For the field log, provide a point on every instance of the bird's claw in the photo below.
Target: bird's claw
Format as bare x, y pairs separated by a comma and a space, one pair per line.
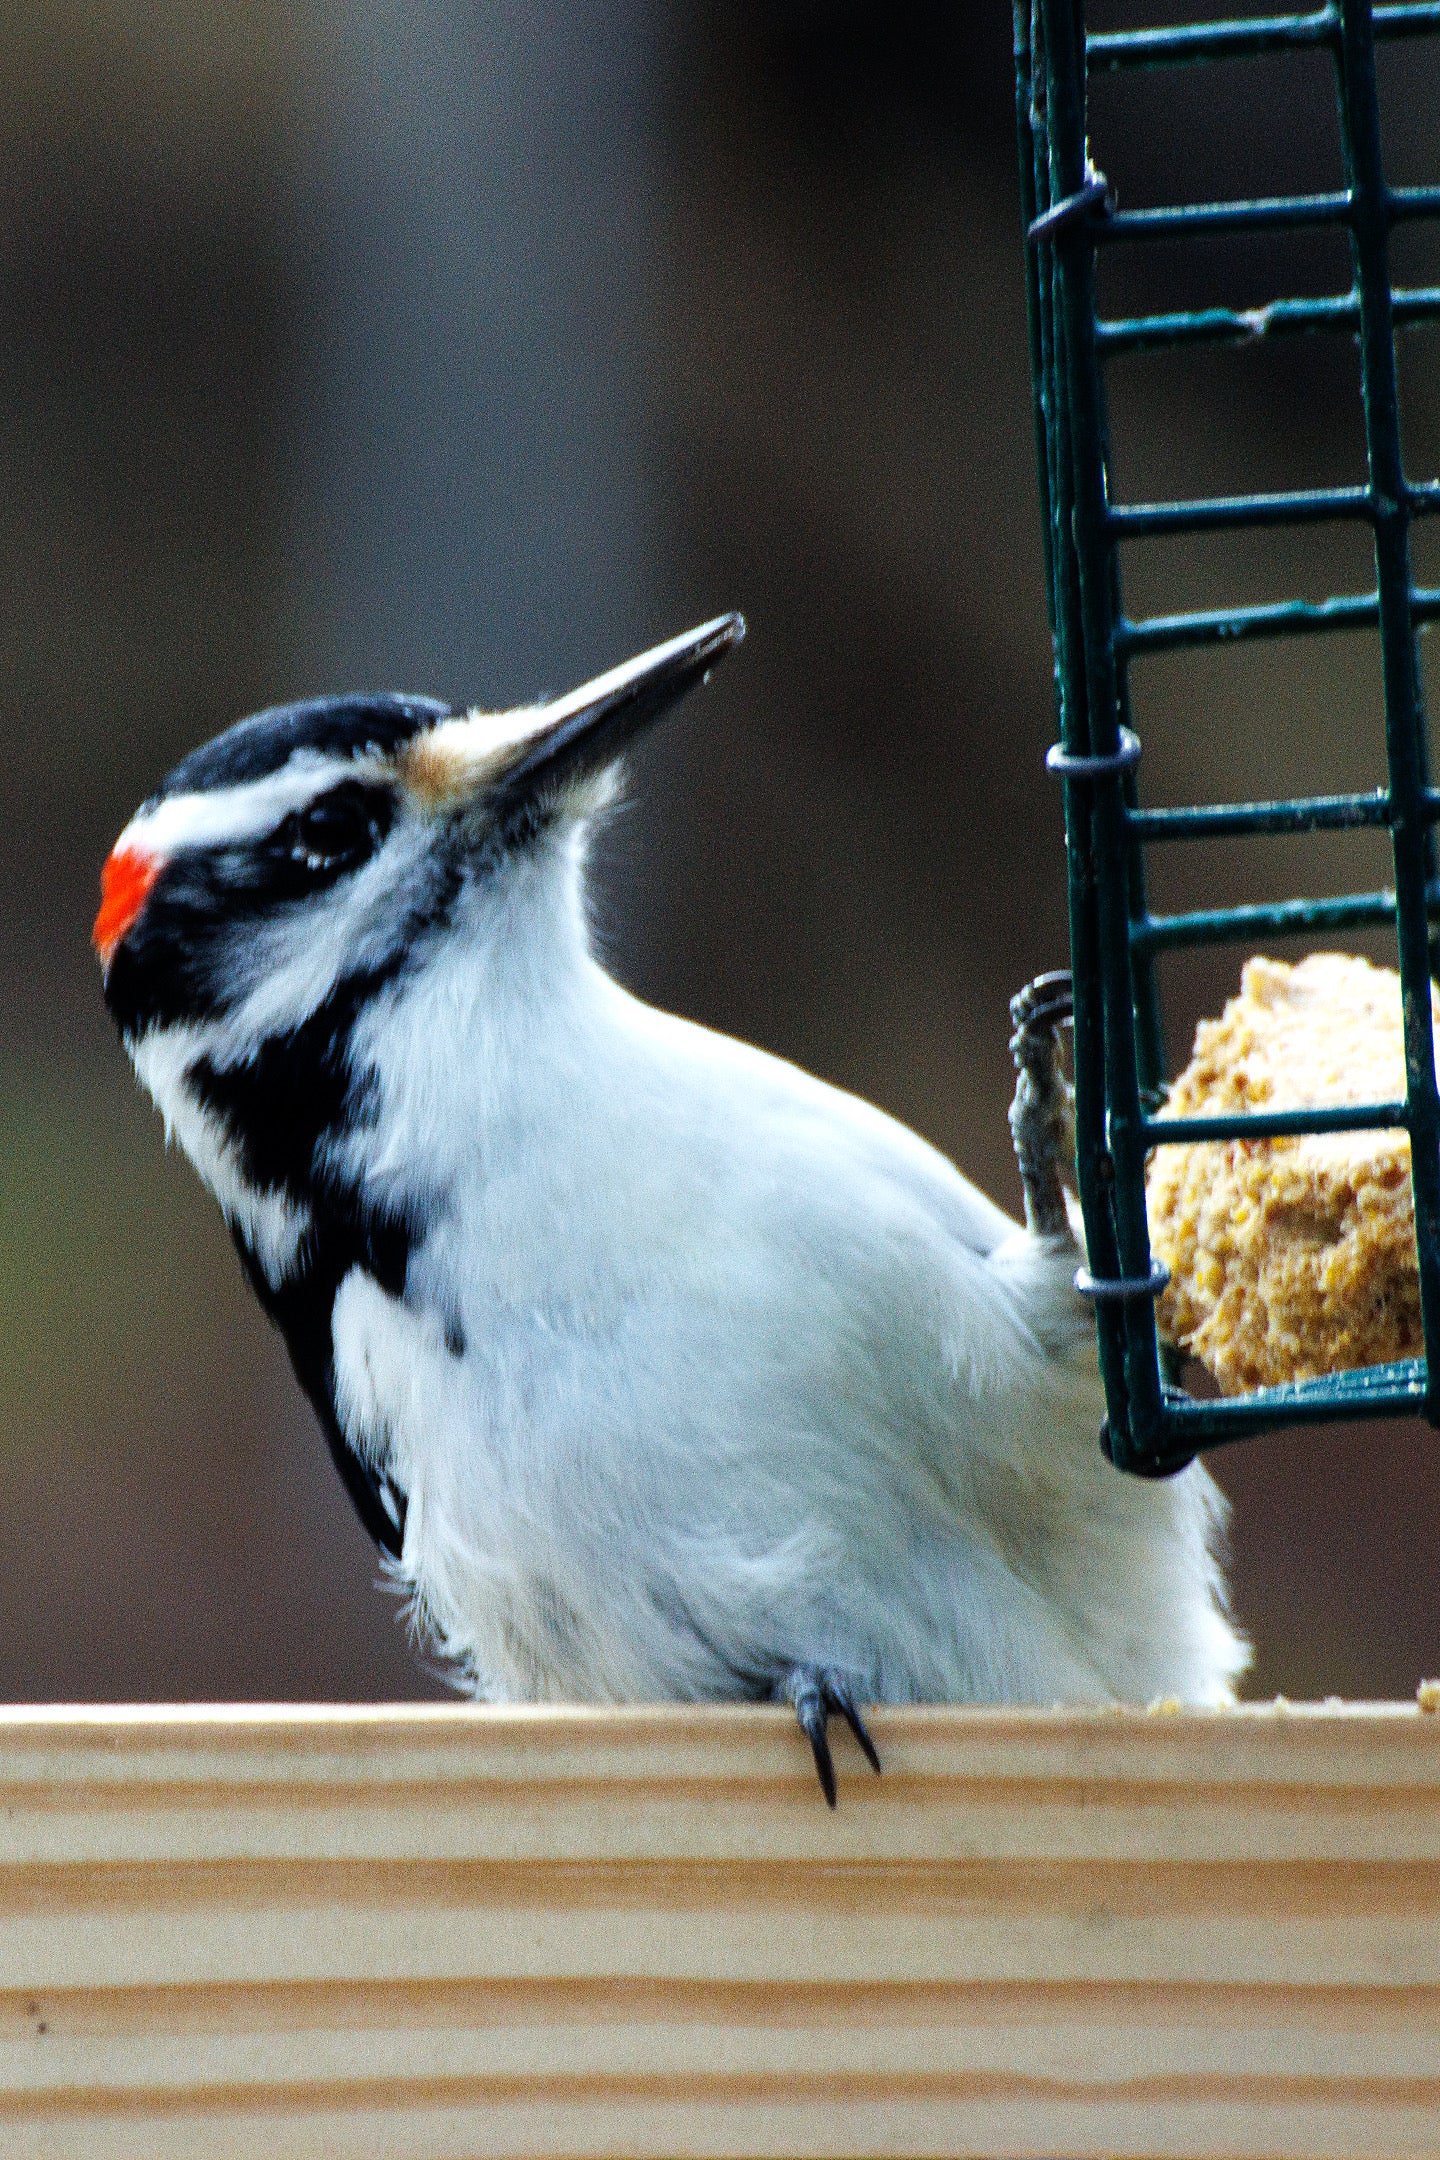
816, 1694
1042, 1114
1037, 1010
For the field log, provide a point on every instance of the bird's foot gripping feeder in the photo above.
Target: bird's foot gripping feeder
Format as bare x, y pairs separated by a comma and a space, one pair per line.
1071, 214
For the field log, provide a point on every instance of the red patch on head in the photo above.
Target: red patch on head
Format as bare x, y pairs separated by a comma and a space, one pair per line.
125, 884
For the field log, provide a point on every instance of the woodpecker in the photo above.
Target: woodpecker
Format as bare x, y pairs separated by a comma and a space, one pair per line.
656, 1368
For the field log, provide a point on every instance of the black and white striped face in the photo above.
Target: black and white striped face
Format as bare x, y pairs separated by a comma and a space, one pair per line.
266, 866
315, 844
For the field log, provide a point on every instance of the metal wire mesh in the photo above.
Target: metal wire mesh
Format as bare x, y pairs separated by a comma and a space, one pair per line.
1152, 1426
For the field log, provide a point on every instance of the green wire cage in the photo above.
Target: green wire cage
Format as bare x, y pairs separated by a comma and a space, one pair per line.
1153, 1427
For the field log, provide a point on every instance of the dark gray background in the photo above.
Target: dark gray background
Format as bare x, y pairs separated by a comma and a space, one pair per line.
468, 350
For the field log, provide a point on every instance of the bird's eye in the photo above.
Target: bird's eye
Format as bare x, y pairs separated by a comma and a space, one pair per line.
336, 833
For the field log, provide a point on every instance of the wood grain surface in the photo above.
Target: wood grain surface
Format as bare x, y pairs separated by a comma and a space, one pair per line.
455, 1931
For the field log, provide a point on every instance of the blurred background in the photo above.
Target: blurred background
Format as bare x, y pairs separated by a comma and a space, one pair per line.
466, 349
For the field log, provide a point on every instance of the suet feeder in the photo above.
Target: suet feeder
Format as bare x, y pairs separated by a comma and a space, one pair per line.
1153, 1426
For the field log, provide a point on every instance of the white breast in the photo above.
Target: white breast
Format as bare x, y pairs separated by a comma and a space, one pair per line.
749, 1376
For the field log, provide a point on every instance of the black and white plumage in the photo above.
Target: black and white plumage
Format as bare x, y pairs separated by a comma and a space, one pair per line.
660, 1369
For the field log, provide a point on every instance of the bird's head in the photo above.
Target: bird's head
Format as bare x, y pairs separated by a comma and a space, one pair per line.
320, 843
291, 871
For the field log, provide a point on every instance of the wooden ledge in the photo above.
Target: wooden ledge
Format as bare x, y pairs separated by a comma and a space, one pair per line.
499, 1931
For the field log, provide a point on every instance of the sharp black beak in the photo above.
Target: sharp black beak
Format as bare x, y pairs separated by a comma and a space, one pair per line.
583, 733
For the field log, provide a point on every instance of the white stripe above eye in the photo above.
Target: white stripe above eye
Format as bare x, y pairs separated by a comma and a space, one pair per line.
215, 817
